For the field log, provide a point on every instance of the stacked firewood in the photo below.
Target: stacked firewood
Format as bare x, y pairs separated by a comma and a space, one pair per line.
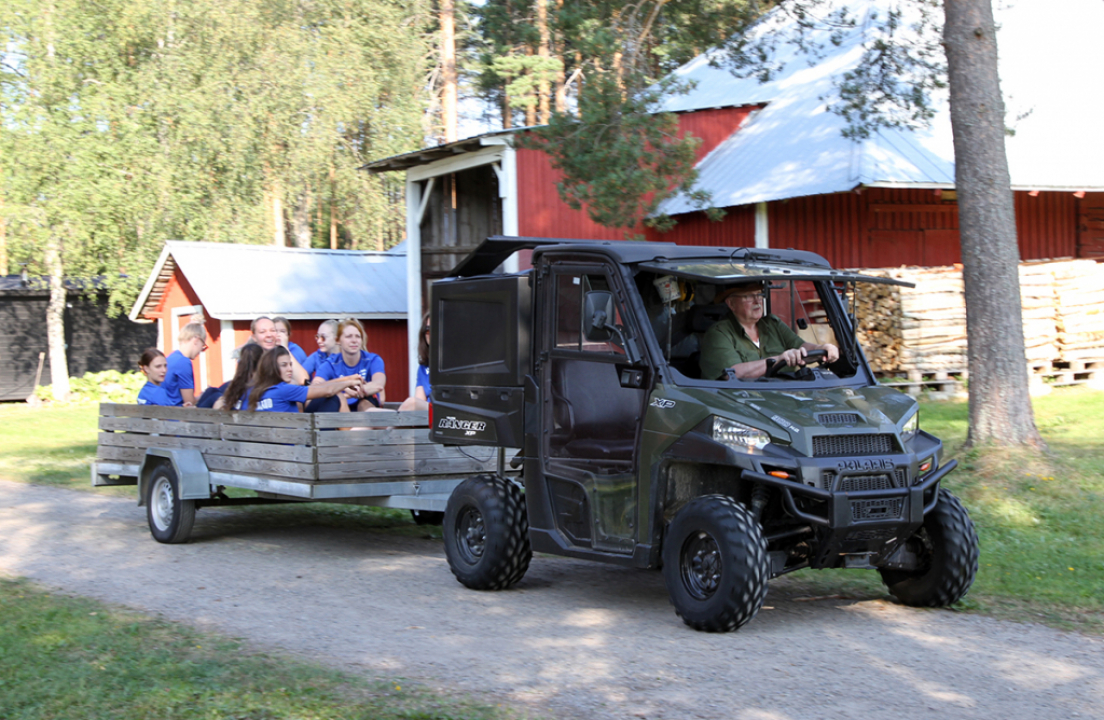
923, 329
1079, 299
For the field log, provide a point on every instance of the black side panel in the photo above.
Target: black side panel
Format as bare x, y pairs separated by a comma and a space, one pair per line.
469, 415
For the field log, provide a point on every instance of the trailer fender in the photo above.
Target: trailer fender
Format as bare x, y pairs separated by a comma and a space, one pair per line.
191, 472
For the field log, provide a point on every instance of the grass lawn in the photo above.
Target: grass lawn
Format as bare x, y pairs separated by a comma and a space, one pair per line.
1040, 520
63, 657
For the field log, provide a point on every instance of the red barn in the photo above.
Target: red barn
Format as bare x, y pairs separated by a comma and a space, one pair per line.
773, 157
226, 286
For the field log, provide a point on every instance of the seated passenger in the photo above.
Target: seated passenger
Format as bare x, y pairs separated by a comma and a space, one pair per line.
423, 391
326, 337
746, 339
153, 366
234, 390
283, 337
272, 390
179, 381
352, 360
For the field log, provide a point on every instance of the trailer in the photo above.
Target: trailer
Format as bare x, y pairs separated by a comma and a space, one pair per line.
184, 459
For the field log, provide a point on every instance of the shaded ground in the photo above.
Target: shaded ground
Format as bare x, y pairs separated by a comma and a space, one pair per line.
574, 639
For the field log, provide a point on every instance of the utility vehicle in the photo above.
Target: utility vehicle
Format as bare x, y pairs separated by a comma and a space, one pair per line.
589, 363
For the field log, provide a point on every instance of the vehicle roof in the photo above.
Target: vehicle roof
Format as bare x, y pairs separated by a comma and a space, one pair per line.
495, 249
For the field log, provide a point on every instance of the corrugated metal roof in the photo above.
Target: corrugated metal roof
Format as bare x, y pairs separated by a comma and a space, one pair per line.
241, 282
794, 147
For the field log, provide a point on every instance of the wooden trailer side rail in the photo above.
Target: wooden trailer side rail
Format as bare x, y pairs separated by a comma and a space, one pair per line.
376, 447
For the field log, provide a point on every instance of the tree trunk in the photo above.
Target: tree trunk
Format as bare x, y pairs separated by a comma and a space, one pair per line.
301, 226
3, 240
55, 321
1000, 406
543, 51
279, 229
560, 86
448, 69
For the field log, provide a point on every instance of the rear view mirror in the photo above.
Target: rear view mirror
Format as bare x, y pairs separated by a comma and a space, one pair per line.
598, 316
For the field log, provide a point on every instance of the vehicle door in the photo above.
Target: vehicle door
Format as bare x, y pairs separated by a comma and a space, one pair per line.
593, 408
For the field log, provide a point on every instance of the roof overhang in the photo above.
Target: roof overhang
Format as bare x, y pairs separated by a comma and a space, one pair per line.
159, 277
427, 156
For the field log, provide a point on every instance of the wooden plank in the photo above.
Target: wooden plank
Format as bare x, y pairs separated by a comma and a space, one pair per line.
261, 451
120, 454
285, 470
296, 421
376, 436
398, 452
389, 468
268, 435
163, 427
378, 418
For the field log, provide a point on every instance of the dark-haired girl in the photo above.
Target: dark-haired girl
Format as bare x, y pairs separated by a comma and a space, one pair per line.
272, 390
154, 366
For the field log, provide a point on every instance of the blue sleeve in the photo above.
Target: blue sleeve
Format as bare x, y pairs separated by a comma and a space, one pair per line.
297, 353
326, 370
375, 365
180, 375
290, 393
311, 363
151, 394
423, 381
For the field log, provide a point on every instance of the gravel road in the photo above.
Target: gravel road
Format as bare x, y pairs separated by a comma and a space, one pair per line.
573, 640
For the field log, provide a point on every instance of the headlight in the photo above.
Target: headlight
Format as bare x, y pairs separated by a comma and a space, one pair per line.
739, 436
912, 426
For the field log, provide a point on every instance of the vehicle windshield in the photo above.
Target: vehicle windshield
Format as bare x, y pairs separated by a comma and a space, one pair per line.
705, 325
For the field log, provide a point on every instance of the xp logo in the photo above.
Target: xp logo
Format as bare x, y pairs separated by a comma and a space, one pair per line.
663, 403
469, 427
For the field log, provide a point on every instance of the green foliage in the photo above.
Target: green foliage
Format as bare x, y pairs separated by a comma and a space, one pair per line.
67, 657
619, 157
107, 386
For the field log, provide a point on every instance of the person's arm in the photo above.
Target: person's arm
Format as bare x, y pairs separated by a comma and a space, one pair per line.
375, 385
188, 396
299, 376
328, 388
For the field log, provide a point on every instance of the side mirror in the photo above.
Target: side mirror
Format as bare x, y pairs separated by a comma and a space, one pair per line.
598, 314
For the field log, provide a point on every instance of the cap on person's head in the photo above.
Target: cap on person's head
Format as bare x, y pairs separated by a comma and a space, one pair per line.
742, 288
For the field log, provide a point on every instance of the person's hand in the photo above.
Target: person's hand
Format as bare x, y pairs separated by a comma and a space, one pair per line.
833, 352
793, 357
188, 405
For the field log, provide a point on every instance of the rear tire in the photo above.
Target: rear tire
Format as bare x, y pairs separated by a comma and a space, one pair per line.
170, 518
715, 564
947, 545
486, 533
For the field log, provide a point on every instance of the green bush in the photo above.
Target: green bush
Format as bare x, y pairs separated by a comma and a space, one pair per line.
106, 386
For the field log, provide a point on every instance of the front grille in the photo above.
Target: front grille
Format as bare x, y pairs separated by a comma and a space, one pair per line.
856, 483
844, 445
902, 477
889, 509
839, 419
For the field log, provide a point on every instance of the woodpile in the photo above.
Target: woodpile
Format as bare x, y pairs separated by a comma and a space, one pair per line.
1079, 299
923, 329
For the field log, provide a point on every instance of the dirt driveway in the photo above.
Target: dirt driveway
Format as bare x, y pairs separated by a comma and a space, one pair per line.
574, 639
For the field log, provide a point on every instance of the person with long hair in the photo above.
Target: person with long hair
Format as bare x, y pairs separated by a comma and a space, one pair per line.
423, 391
153, 365
353, 359
273, 391
248, 360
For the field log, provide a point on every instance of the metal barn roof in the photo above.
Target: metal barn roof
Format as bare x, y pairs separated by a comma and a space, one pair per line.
241, 282
793, 147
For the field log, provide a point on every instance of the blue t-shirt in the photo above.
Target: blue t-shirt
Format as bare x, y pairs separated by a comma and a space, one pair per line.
297, 353
278, 398
178, 377
335, 367
314, 360
151, 394
423, 382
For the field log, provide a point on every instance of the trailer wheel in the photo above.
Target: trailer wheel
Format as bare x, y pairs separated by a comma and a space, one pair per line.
170, 518
427, 517
486, 533
947, 546
715, 564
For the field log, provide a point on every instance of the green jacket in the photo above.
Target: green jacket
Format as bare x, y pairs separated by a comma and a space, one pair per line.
726, 344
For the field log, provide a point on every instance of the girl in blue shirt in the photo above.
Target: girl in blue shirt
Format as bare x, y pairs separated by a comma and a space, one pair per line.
154, 366
235, 390
423, 391
354, 360
273, 391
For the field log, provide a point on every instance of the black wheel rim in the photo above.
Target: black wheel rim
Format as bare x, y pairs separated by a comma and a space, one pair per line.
700, 565
471, 535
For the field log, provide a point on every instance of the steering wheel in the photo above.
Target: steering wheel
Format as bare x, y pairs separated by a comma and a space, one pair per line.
773, 369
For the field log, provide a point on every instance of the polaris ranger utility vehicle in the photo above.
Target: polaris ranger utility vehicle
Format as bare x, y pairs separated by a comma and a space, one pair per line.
589, 363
